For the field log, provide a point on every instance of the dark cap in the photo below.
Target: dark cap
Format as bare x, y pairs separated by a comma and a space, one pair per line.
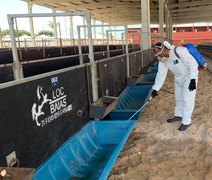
158, 48
158, 45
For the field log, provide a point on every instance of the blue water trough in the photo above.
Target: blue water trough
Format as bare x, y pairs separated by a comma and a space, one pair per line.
89, 154
154, 64
153, 69
147, 77
130, 101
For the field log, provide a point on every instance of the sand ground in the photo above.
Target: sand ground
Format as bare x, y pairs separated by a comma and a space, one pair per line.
156, 150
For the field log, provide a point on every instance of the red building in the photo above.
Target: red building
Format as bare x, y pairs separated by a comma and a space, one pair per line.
181, 34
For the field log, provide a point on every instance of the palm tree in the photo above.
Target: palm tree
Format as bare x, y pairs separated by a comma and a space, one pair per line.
51, 24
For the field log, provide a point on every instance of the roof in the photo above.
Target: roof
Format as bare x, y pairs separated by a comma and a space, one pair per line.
126, 12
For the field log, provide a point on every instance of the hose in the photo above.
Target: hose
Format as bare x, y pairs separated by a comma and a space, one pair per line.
141, 108
167, 91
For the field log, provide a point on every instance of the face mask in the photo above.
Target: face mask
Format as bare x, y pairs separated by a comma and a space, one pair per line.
162, 59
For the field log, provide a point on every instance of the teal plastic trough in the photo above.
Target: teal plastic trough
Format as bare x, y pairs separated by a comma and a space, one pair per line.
130, 101
154, 69
154, 64
147, 77
89, 154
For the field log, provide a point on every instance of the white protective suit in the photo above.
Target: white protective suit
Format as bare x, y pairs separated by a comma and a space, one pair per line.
184, 69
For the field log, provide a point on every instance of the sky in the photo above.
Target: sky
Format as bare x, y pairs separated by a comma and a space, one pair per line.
20, 7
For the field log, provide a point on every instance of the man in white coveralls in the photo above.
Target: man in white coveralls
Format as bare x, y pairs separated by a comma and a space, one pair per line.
185, 70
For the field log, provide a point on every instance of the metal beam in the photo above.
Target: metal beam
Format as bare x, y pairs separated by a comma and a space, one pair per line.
195, 17
189, 4
192, 20
120, 10
47, 14
192, 14
190, 9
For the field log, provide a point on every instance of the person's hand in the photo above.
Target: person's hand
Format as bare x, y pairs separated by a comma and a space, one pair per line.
192, 85
154, 93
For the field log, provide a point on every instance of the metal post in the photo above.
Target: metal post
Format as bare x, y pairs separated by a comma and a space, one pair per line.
55, 26
108, 46
31, 24
1, 44
19, 44
91, 57
71, 30
127, 52
166, 21
122, 41
25, 44
85, 27
161, 18
133, 42
145, 13
43, 47
17, 67
115, 36
79, 45
170, 29
103, 34
141, 48
94, 24
61, 48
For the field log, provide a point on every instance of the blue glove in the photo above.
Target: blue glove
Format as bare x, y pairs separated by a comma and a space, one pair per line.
192, 85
